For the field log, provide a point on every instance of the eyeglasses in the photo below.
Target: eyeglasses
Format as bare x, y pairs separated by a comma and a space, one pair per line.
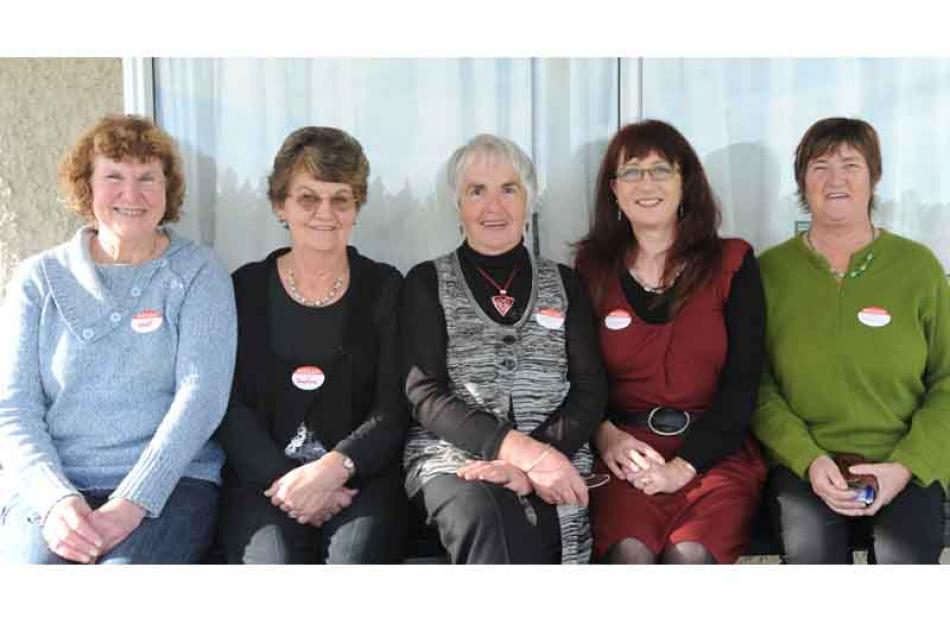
310, 201
660, 172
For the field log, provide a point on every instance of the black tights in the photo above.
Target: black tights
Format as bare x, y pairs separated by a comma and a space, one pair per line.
632, 551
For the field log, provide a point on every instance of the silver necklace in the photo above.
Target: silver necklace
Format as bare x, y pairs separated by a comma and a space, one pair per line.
651, 289
296, 295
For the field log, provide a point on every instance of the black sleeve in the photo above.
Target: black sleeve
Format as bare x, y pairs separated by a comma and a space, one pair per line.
250, 450
375, 444
426, 371
721, 431
574, 421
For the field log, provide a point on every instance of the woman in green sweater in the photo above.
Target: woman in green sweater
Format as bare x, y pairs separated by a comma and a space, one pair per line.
858, 367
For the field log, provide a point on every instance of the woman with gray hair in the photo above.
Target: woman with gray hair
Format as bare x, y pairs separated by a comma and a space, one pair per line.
504, 376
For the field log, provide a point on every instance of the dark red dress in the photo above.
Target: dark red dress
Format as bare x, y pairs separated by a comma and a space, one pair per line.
678, 364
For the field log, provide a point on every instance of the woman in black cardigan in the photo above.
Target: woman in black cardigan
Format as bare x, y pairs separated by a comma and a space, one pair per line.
316, 419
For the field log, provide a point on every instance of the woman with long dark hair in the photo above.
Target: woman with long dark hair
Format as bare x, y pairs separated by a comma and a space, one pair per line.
681, 323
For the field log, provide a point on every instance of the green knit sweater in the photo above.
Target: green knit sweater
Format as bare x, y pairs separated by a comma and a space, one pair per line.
861, 367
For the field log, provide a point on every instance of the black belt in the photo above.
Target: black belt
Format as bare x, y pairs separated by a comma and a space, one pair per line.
663, 421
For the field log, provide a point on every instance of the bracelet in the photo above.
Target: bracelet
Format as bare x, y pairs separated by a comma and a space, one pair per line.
537, 460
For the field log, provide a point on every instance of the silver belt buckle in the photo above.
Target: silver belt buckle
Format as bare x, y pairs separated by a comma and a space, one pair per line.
667, 433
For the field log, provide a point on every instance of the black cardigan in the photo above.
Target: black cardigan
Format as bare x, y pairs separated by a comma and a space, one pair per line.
359, 410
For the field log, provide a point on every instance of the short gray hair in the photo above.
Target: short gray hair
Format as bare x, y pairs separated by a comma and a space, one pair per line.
489, 144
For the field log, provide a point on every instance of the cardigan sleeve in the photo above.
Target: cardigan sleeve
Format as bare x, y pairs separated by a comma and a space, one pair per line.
721, 431
250, 450
374, 445
26, 448
572, 423
923, 450
203, 371
433, 405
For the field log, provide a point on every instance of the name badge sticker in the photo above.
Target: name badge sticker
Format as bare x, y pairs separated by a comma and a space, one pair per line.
550, 318
308, 378
147, 321
617, 319
874, 316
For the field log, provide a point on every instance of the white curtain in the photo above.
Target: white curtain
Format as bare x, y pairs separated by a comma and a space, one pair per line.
230, 116
745, 117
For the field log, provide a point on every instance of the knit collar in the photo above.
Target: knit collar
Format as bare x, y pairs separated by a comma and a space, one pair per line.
83, 300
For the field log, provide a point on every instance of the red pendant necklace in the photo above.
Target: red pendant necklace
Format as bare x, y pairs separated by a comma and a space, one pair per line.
502, 302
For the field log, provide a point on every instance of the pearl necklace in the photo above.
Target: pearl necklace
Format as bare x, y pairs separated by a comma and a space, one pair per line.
296, 295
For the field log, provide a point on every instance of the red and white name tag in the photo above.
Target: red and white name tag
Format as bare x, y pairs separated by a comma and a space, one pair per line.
874, 316
550, 318
617, 319
308, 378
147, 321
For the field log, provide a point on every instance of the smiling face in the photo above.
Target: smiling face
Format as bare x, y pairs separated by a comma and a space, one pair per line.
319, 214
492, 205
128, 197
648, 202
838, 187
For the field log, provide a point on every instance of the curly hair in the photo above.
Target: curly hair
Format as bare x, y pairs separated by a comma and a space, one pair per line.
118, 137
326, 153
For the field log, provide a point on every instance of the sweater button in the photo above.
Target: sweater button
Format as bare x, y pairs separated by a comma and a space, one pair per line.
135, 292
509, 340
115, 317
509, 364
88, 333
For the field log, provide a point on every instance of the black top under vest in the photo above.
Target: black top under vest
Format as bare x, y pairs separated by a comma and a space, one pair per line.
424, 340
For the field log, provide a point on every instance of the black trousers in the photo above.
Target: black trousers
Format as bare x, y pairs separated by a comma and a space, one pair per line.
908, 530
482, 522
371, 530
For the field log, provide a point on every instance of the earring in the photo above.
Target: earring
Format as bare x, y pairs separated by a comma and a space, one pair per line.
680, 211
619, 214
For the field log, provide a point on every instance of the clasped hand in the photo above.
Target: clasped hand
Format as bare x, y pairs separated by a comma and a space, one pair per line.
75, 532
498, 472
640, 464
550, 474
828, 484
314, 492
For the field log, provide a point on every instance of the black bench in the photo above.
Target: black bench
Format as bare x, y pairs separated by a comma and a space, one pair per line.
423, 546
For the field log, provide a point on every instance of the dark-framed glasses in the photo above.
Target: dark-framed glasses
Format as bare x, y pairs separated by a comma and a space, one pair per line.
634, 174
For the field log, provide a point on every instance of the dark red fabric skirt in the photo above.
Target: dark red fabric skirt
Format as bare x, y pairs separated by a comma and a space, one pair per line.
716, 508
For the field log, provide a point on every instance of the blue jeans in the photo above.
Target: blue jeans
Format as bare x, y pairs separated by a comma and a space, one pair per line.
180, 534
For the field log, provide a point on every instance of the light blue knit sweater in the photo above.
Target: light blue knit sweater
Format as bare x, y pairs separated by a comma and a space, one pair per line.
114, 389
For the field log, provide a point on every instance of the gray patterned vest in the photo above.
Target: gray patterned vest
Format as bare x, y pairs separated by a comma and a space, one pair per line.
494, 368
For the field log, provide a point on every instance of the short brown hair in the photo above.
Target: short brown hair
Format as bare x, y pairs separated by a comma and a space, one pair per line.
826, 136
327, 153
118, 137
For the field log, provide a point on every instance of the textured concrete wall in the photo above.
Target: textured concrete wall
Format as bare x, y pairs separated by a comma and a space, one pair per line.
44, 104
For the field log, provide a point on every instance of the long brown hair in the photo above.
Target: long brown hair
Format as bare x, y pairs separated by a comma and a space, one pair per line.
610, 243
